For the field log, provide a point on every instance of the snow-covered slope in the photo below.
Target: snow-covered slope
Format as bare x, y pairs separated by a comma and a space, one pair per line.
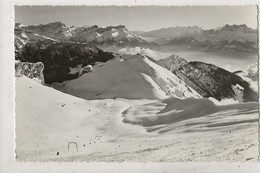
132, 77
177, 110
48, 120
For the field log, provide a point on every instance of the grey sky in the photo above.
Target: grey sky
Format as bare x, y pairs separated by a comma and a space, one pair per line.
139, 18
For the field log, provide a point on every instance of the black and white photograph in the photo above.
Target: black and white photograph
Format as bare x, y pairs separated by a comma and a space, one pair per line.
136, 83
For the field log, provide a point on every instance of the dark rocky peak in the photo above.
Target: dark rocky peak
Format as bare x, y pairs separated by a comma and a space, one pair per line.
212, 81
87, 29
204, 66
58, 24
113, 27
120, 26
93, 27
54, 25
17, 25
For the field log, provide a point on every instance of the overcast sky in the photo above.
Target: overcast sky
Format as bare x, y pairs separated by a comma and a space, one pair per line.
139, 18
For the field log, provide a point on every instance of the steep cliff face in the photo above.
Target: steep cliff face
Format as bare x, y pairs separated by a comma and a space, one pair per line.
212, 81
62, 61
31, 70
209, 80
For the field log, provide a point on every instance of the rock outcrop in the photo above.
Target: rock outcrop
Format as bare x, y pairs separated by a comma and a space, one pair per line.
31, 70
59, 58
212, 81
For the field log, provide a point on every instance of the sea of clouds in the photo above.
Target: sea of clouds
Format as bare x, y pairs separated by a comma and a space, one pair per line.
146, 51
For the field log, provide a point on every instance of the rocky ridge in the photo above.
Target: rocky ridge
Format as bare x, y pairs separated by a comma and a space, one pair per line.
118, 36
209, 80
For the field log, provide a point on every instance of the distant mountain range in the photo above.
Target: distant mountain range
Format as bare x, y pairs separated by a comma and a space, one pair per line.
229, 38
170, 32
118, 36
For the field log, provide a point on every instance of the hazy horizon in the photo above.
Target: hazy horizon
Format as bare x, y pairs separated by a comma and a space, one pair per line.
139, 18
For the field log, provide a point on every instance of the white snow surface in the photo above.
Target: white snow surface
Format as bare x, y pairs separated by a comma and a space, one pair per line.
130, 130
114, 33
49, 38
24, 35
134, 78
229, 101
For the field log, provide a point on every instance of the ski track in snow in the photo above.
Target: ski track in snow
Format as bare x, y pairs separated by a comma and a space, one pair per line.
121, 129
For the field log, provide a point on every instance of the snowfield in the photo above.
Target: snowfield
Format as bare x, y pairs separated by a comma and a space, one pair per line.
123, 129
129, 77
